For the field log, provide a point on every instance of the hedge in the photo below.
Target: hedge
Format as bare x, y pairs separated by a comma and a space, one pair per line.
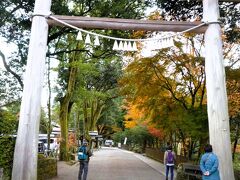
47, 167
6, 155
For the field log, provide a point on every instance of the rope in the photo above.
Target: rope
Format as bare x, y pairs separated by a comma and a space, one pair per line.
41, 15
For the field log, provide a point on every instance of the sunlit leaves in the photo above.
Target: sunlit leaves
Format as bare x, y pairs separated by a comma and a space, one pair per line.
134, 116
233, 89
167, 92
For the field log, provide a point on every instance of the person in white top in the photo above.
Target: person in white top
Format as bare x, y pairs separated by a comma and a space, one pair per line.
169, 161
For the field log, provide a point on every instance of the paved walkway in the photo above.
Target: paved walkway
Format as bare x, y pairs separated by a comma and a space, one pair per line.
70, 172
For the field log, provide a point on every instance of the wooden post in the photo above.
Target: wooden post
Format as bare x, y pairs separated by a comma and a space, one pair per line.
26, 148
217, 106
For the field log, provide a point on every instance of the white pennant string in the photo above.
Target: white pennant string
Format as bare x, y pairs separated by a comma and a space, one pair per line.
171, 42
168, 42
159, 44
115, 45
88, 40
134, 46
125, 46
79, 36
129, 46
96, 41
120, 47
164, 43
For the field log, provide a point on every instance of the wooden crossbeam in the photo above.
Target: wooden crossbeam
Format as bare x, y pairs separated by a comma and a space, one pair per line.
126, 24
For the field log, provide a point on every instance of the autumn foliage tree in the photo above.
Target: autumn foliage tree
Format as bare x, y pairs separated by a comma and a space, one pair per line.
172, 84
233, 89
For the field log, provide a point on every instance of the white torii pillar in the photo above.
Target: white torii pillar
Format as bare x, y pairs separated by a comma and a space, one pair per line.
217, 105
26, 148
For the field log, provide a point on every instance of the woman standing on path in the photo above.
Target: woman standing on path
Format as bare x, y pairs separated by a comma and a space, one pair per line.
209, 164
169, 160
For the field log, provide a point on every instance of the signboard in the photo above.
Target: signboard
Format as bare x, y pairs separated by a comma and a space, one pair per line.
125, 141
93, 133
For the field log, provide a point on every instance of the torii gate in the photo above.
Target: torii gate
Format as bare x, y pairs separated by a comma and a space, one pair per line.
25, 155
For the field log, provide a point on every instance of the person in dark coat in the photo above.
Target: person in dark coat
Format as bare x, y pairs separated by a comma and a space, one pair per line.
209, 164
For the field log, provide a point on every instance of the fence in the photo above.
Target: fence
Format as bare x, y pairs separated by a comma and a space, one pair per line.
158, 155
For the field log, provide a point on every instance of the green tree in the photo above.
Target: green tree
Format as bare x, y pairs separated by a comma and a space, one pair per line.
186, 10
233, 90
69, 74
43, 128
112, 119
137, 138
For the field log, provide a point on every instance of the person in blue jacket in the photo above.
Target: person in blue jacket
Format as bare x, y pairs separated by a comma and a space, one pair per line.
83, 170
209, 164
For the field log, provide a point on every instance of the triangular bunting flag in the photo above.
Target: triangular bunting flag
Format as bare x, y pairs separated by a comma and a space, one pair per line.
125, 46
96, 41
115, 45
88, 40
79, 36
129, 45
120, 47
134, 47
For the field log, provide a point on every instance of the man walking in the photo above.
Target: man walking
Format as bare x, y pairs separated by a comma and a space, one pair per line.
84, 154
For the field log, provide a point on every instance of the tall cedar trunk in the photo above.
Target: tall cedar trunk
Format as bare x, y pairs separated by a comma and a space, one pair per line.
95, 115
78, 127
86, 119
65, 107
64, 130
92, 117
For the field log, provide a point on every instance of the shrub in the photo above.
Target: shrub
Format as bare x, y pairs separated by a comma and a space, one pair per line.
8, 126
6, 155
47, 167
236, 165
137, 149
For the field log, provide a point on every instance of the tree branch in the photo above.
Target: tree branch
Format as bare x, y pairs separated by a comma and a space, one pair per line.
10, 71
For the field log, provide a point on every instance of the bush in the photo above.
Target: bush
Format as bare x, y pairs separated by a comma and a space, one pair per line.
47, 167
137, 149
136, 138
6, 155
236, 165
237, 174
8, 126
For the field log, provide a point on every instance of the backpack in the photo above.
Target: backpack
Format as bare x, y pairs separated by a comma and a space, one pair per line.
82, 153
170, 157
